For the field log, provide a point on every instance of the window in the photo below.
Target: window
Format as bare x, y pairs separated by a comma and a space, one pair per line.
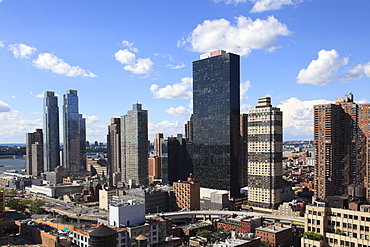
318, 222
345, 216
355, 217
362, 228
355, 226
350, 216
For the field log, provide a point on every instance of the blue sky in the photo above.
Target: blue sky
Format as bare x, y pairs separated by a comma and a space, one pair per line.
119, 52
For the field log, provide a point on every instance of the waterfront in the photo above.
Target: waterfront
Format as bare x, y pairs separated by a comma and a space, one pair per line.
12, 164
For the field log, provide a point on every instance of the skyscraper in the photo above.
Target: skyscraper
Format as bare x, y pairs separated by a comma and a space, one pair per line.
134, 134
34, 153
51, 132
341, 139
216, 124
114, 145
158, 140
265, 134
176, 160
73, 123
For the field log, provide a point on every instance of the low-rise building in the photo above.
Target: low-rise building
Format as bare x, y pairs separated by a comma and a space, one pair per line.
276, 234
239, 224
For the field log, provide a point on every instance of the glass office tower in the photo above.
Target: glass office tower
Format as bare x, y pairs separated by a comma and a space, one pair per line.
216, 123
71, 131
51, 132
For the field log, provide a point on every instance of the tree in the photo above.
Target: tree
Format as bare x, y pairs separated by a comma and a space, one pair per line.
204, 233
16, 204
36, 207
313, 236
64, 218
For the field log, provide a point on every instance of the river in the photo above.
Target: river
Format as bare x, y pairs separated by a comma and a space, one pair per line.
12, 164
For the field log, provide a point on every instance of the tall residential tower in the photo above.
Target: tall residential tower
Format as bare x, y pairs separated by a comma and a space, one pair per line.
74, 130
265, 136
216, 124
51, 132
134, 145
341, 139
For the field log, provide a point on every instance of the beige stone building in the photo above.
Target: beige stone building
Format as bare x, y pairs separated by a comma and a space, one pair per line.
339, 227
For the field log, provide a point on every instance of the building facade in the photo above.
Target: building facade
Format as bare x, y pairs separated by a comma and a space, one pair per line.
158, 140
216, 124
34, 153
187, 194
114, 145
337, 226
134, 145
51, 132
342, 150
176, 160
74, 129
265, 134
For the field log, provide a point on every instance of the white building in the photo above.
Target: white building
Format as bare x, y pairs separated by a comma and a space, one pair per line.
126, 213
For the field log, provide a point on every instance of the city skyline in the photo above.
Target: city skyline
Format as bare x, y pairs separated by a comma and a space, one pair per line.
299, 53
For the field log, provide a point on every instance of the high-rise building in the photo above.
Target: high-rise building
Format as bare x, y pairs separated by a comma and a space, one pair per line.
34, 153
134, 145
265, 134
243, 176
216, 124
189, 129
51, 132
114, 145
73, 129
176, 160
341, 139
158, 140
83, 160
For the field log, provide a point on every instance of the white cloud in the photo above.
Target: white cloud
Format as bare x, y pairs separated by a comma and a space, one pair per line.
48, 61
1, 43
178, 111
175, 91
177, 66
94, 130
166, 127
322, 71
357, 72
244, 87
13, 97
21, 50
242, 38
244, 108
130, 46
191, 104
263, 5
4, 107
136, 66
266, 5
13, 126
298, 117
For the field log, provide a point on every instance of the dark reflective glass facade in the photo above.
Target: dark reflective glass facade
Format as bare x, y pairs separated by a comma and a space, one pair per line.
216, 123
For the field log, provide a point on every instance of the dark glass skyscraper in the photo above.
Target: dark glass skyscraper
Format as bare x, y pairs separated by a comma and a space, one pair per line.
176, 159
216, 124
51, 132
73, 129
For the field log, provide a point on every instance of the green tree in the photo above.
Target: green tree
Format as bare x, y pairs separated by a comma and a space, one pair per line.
64, 218
313, 236
16, 204
204, 233
36, 207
